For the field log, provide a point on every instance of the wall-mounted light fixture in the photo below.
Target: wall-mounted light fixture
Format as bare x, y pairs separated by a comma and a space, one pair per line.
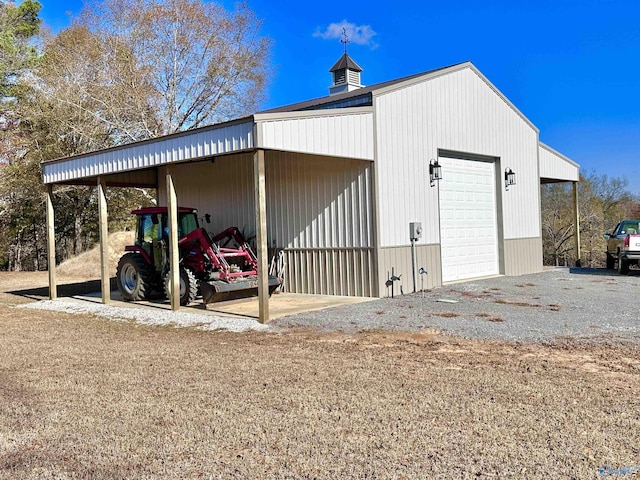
509, 178
435, 171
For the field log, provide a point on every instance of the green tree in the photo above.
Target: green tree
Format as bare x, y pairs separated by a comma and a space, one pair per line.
20, 209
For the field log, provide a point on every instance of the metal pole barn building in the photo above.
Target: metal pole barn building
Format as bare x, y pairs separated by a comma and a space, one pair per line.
336, 182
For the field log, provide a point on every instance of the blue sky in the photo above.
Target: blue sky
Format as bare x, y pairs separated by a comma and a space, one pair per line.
571, 66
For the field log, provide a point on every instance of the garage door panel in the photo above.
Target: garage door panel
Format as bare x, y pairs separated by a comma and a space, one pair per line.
468, 229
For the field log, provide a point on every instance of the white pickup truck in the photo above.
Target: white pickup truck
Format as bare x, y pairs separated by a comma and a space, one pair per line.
623, 245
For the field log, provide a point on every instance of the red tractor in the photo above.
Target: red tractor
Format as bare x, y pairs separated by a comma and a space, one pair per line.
219, 267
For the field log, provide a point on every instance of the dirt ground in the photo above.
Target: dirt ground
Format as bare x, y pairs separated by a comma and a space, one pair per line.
83, 397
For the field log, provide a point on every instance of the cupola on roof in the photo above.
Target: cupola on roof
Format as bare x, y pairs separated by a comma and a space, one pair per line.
346, 72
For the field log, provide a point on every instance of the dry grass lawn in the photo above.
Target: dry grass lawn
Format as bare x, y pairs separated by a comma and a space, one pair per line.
82, 397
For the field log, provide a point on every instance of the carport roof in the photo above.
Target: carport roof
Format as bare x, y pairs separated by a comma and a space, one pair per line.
144, 156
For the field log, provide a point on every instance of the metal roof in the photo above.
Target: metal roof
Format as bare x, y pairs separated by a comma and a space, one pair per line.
364, 94
346, 62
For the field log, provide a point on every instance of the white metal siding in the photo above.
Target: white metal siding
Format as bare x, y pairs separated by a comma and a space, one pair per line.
339, 133
459, 112
469, 237
554, 166
162, 151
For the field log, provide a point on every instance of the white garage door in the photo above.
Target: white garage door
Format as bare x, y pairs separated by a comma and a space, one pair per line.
468, 232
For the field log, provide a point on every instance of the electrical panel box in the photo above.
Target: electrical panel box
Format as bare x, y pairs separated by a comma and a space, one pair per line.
415, 230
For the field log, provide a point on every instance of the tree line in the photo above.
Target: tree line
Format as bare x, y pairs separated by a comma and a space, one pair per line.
602, 202
123, 71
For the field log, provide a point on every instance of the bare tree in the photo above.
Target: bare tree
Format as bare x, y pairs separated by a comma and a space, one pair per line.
141, 69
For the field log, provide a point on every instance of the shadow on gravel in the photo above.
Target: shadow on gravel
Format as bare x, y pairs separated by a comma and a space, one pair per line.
602, 271
65, 290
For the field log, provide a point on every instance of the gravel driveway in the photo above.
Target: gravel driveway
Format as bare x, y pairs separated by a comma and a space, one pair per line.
576, 302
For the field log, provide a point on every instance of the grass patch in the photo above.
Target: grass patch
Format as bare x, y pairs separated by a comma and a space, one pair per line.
446, 314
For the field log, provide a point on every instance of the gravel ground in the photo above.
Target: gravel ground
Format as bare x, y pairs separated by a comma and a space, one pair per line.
582, 303
151, 317
578, 303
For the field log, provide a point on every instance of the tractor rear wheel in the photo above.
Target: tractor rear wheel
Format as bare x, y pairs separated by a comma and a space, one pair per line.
134, 277
188, 286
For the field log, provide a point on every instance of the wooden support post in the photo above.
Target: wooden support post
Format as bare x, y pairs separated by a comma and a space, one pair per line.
261, 236
174, 255
51, 245
105, 283
576, 223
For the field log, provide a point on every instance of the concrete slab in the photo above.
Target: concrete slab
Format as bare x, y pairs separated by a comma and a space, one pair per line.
280, 304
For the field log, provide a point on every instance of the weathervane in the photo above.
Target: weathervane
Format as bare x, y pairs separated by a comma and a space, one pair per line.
345, 40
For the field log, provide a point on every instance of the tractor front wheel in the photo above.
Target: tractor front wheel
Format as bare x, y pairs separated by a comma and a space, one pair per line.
134, 277
188, 286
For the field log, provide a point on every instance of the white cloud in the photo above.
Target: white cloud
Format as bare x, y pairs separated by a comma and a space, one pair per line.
358, 34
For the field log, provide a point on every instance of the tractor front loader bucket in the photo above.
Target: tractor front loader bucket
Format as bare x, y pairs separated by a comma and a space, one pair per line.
220, 290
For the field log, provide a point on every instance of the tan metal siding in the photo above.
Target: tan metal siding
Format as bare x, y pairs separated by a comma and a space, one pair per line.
162, 151
336, 134
554, 166
330, 271
138, 178
223, 188
320, 212
316, 202
523, 255
398, 259
318, 209
455, 112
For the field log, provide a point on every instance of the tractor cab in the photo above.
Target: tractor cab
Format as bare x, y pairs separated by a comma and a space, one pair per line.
152, 229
